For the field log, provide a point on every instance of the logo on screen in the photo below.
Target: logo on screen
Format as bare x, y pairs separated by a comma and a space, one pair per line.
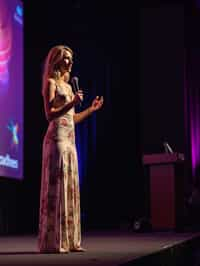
14, 128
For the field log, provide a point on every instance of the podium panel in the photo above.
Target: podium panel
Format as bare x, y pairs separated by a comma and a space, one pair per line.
166, 173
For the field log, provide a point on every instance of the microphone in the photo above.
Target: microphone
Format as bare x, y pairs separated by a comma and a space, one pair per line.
168, 149
75, 85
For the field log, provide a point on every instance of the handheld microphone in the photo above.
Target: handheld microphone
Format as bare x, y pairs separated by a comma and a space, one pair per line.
75, 85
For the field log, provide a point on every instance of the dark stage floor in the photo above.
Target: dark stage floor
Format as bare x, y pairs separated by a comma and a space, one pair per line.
103, 248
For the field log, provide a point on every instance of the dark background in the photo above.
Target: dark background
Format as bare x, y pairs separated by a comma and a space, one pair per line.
134, 56
161, 77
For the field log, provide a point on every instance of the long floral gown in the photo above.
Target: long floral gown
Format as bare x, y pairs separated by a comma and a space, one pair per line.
59, 219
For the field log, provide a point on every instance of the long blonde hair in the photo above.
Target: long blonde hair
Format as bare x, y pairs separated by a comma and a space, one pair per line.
51, 69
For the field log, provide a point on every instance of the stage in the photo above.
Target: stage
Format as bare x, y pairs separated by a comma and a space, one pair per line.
108, 248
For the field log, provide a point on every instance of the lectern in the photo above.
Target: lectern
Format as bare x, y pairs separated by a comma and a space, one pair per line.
166, 173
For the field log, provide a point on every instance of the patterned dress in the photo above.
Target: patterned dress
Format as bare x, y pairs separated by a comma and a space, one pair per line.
59, 220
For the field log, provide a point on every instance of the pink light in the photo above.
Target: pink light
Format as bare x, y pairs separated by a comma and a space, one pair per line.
5, 41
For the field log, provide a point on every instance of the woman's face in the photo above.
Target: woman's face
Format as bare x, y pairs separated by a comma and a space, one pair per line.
67, 62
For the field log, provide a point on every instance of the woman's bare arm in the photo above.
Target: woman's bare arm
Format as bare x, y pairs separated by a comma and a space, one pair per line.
96, 105
78, 117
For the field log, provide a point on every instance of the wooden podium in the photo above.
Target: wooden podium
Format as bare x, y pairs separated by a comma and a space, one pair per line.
166, 173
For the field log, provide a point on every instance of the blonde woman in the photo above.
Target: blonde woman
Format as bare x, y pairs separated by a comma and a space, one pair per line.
59, 220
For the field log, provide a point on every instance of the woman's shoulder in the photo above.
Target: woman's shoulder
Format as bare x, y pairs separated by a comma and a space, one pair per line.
51, 81
49, 85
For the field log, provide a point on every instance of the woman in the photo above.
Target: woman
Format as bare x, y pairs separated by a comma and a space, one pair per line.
59, 222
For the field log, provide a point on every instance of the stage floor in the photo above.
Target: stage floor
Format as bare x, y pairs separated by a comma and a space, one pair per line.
103, 248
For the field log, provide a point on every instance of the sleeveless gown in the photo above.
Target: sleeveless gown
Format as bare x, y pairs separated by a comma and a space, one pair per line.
59, 219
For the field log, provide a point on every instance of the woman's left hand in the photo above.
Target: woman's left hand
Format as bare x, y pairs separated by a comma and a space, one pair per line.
96, 104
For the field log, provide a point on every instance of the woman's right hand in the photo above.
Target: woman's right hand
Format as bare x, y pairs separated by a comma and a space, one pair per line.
78, 97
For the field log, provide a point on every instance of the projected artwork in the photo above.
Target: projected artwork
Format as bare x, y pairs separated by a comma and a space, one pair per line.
11, 89
5, 41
